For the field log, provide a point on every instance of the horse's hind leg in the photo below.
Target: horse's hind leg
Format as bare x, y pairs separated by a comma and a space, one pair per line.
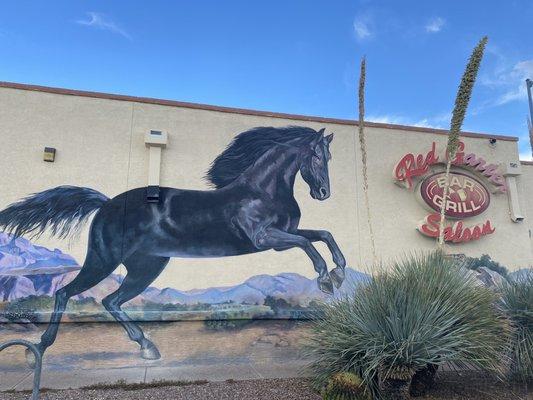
94, 270
142, 270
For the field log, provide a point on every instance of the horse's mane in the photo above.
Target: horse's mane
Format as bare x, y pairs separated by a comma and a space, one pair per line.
248, 146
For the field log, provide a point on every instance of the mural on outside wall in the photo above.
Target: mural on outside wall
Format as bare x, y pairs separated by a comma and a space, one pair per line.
251, 209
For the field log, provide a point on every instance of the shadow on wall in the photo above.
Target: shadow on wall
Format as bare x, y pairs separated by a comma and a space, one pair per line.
31, 274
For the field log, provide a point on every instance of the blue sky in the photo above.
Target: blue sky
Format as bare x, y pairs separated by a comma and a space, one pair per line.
297, 56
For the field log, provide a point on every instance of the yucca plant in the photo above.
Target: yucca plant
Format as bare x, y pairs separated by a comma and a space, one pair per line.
517, 302
419, 314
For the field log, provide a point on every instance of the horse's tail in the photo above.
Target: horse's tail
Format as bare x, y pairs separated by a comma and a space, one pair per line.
59, 209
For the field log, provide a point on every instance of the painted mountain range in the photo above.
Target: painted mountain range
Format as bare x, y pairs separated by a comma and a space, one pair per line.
27, 269
18, 256
292, 287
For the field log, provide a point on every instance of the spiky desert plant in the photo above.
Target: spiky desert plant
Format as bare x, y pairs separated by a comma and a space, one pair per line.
345, 386
458, 115
364, 157
517, 301
422, 311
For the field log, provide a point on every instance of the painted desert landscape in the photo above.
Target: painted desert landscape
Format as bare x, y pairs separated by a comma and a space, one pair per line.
30, 275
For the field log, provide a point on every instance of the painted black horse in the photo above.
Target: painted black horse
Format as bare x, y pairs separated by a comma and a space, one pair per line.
252, 209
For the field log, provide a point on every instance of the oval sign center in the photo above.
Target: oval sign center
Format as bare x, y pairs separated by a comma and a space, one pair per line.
467, 196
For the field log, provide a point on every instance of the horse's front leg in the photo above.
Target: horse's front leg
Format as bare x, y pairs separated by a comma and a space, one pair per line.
337, 274
272, 238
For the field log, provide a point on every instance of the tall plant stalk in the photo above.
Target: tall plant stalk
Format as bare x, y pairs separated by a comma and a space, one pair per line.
461, 104
362, 143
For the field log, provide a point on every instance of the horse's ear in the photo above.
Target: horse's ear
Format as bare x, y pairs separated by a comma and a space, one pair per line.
318, 138
329, 138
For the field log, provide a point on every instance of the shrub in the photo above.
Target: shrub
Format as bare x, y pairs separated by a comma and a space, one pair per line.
27, 308
31, 304
17, 316
485, 261
421, 313
517, 301
222, 321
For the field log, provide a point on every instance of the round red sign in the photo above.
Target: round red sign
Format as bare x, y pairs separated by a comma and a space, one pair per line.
467, 196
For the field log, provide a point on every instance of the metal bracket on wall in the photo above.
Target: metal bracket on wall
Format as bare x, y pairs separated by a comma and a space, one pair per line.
513, 170
152, 194
38, 362
155, 141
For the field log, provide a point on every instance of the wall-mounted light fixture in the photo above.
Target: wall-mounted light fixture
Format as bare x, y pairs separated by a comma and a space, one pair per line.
49, 154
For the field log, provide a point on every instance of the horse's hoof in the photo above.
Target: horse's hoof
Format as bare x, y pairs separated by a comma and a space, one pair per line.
337, 275
150, 352
30, 358
325, 285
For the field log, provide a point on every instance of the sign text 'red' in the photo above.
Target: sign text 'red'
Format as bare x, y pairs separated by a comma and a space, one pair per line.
411, 166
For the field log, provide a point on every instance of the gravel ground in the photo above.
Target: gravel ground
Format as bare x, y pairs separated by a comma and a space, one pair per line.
448, 387
272, 389
475, 386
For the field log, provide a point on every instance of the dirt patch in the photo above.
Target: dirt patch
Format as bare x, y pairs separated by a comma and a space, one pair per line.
449, 386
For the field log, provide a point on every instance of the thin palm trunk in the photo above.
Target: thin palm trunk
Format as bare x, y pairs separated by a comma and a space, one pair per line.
362, 143
461, 105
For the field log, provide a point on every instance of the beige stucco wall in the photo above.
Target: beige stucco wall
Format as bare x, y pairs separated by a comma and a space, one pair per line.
100, 145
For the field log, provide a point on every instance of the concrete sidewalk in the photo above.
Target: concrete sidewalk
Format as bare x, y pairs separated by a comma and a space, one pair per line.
91, 353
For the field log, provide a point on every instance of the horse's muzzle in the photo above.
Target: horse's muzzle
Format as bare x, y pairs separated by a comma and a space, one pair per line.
321, 194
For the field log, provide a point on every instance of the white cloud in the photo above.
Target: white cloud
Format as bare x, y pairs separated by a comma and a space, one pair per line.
362, 27
526, 156
507, 80
435, 25
516, 79
524, 141
439, 121
526, 144
101, 21
385, 119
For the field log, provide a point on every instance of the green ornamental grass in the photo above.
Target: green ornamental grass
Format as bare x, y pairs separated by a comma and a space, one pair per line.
422, 312
517, 301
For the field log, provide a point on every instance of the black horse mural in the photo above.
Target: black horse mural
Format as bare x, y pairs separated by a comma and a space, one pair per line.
251, 209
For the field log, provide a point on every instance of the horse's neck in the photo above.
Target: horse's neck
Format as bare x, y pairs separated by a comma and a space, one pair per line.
275, 171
